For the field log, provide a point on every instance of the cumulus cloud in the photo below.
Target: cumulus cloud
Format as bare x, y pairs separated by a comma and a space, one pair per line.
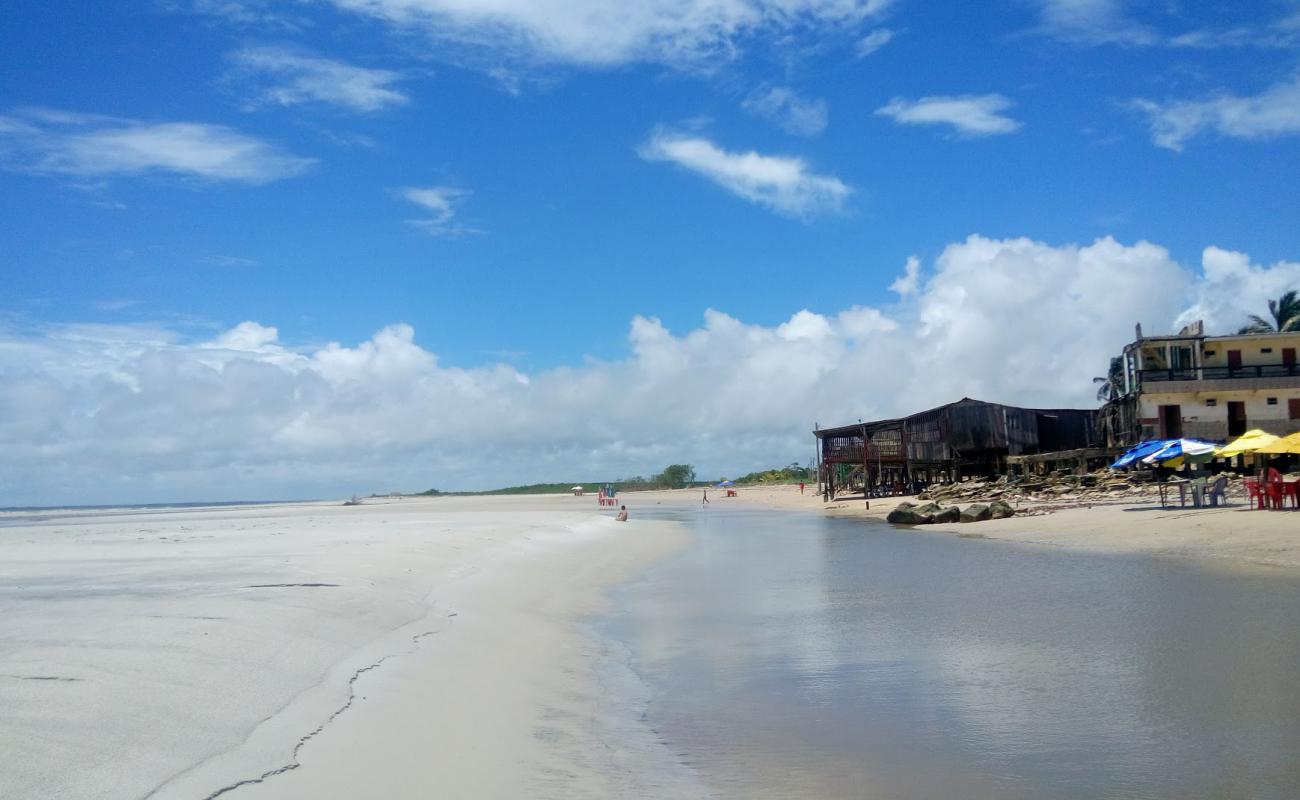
874, 41
290, 77
1234, 287
969, 114
783, 184
97, 413
440, 202
1272, 113
598, 32
48, 141
782, 105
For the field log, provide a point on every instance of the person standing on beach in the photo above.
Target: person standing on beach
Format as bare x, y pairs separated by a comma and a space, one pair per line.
800, 487
622, 514
705, 501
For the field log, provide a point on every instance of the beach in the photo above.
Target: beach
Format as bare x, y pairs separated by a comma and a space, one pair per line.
400, 648
406, 647
1230, 534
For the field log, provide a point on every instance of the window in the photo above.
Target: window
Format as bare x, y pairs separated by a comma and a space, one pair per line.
1272, 401
1265, 349
1211, 402
1209, 353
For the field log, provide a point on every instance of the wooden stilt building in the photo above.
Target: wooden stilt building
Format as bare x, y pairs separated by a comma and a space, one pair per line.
968, 437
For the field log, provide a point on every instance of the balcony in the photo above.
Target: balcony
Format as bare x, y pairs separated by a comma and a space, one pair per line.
1212, 379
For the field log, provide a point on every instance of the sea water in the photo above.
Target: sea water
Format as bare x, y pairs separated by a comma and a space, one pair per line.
792, 655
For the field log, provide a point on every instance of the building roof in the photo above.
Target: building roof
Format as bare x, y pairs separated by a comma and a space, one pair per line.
898, 421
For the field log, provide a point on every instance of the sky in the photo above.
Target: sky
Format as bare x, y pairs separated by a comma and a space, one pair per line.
256, 250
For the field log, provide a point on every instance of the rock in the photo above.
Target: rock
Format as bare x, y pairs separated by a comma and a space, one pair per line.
976, 513
929, 509
1000, 510
949, 514
908, 516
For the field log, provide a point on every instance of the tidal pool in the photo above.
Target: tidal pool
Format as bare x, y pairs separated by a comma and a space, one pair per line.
792, 655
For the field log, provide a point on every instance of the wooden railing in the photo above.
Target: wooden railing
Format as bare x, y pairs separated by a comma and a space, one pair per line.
1221, 373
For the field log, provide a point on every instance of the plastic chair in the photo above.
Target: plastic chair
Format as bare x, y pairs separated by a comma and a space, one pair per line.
1218, 491
1292, 490
1255, 493
1273, 491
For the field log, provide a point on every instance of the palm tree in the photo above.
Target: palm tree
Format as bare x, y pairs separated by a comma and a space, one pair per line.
1285, 312
1112, 386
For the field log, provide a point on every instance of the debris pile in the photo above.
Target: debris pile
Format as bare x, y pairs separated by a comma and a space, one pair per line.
1061, 486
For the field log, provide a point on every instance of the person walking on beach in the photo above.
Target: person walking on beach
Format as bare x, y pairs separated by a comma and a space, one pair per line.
800, 487
705, 501
622, 514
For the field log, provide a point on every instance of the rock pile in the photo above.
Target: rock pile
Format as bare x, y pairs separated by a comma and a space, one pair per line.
930, 513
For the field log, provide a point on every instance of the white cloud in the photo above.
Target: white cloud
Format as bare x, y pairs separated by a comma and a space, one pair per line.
970, 114
909, 282
48, 141
1234, 288
440, 202
1093, 22
874, 41
1272, 113
783, 184
95, 413
1102, 22
598, 32
299, 77
782, 105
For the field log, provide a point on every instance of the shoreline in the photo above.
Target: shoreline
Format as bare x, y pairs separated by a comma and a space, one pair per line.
1235, 534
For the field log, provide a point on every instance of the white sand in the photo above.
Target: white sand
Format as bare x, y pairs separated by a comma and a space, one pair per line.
175, 654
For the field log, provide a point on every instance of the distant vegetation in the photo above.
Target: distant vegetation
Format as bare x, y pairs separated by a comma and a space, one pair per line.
791, 474
674, 476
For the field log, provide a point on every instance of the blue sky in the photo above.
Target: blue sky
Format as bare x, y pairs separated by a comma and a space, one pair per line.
519, 185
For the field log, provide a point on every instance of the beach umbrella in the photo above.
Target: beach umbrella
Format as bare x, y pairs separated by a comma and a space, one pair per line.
727, 483
1138, 451
576, 489
1193, 450
1248, 442
1282, 445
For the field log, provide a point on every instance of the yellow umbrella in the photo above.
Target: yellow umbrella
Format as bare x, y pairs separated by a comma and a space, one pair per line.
1248, 442
1286, 444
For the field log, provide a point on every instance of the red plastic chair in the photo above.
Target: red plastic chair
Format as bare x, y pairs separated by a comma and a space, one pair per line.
1255, 494
1274, 492
1291, 489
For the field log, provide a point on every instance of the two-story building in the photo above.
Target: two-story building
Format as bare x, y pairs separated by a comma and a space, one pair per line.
1212, 387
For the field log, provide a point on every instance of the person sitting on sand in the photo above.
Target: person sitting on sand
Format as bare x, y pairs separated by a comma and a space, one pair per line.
622, 514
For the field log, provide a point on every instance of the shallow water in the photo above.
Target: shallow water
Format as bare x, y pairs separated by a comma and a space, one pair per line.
791, 655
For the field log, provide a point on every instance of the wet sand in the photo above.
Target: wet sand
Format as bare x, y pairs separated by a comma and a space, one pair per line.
1235, 533
402, 648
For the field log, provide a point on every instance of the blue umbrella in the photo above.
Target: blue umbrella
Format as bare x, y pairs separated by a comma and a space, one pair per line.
1139, 452
727, 483
1197, 450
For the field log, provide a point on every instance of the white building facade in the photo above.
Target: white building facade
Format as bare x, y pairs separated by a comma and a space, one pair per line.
1212, 387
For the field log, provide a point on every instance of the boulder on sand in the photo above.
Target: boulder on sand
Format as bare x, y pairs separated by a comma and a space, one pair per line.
976, 513
909, 514
949, 514
1000, 510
